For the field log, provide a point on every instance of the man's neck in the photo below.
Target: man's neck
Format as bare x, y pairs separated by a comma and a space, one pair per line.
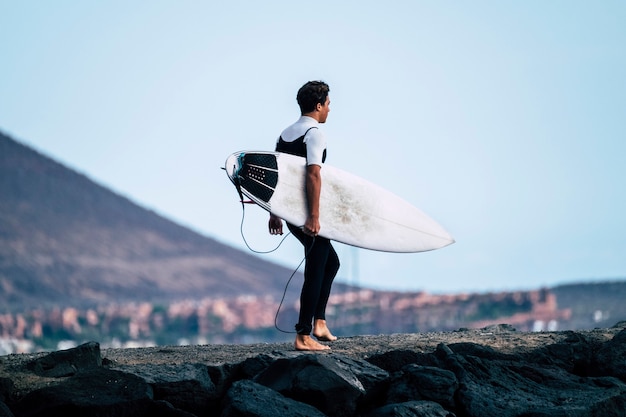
313, 115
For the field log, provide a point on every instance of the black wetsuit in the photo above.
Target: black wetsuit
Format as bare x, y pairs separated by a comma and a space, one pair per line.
322, 262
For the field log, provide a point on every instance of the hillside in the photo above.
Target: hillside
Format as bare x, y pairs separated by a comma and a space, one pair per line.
80, 262
65, 240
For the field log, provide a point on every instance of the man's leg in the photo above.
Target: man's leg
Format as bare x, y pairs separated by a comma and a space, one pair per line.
320, 329
316, 252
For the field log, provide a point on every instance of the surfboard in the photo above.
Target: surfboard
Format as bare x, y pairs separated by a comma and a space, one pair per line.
353, 210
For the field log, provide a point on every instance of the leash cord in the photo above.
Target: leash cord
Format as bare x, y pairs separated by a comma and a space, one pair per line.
287, 285
243, 216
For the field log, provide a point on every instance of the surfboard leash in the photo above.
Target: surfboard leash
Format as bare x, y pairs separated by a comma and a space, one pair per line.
282, 300
243, 217
287, 286
243, 236
237, 183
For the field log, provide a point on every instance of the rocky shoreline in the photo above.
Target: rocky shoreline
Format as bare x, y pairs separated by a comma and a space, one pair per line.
494, 371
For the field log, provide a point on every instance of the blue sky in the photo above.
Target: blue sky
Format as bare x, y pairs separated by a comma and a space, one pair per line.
504, 121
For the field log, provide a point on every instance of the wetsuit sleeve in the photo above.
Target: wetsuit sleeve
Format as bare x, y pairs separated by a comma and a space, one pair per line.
315, 146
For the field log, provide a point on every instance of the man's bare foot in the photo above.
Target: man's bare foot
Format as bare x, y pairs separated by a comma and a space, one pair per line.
321, 332
306, 342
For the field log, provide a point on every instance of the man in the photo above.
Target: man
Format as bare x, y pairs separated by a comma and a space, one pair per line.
304, 138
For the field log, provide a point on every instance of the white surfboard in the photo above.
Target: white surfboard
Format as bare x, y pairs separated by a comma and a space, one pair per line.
352, 210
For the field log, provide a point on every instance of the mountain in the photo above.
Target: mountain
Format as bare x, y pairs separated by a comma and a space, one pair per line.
65, 240
80, 262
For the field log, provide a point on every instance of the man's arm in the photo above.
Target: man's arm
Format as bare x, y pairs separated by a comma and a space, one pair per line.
313, 189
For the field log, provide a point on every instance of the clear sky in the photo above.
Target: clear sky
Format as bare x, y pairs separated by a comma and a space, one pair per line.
504, 121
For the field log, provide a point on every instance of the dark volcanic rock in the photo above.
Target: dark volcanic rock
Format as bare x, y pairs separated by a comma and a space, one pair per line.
417, 382
463, 374
574, 354
514, 387
411, 409
249, 399
5, 411
332, 383
395, 360
68, 362
185, 386
611, 358
95, 392
6, 388
6, 391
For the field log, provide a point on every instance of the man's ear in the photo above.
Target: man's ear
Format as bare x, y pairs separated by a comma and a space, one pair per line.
318, 106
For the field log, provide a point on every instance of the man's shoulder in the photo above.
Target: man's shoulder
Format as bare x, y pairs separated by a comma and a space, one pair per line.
299, 128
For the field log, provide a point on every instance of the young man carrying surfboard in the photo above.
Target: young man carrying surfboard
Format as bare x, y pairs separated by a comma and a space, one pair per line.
305, 139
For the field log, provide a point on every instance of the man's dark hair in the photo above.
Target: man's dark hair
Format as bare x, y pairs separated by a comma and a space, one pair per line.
310, 94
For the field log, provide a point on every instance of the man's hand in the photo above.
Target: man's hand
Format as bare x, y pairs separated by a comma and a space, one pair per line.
312, 226
275, 225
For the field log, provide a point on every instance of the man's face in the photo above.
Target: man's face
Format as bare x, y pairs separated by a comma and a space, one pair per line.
324, 110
